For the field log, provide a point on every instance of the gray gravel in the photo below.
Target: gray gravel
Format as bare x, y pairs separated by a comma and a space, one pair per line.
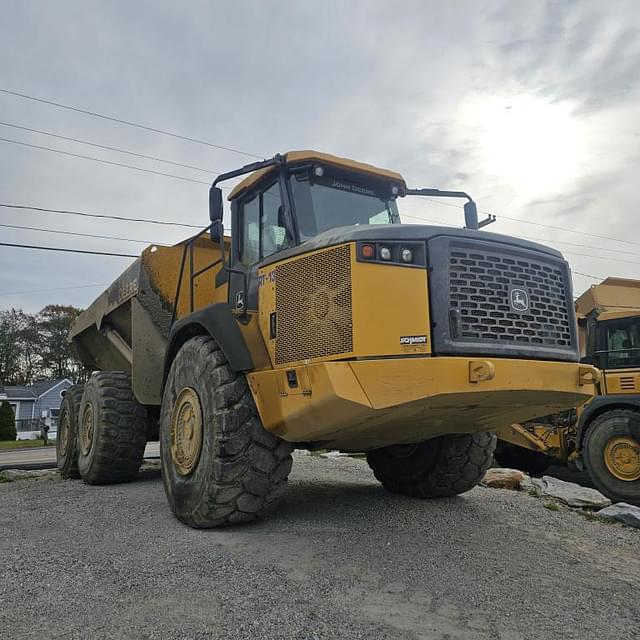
339, 559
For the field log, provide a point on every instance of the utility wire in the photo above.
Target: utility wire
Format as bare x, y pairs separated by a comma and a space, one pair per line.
111, 162
253, 155
99, 215
539, 224
128, 123
84, 235
102, 146
587, 275
81, 286
93, 253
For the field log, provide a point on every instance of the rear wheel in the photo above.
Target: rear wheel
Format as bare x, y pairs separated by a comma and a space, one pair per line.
112, 429
612, 454
219, 465
436, 468
66, 440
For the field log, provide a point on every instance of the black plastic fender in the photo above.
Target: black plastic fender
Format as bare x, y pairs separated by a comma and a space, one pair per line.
599, 405
218, 321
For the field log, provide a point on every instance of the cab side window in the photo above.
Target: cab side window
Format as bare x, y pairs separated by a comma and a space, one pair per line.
623, 344
263, 230
250, 220
273, 235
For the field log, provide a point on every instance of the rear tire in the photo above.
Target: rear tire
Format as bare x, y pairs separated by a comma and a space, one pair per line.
612, 454
66, 440
112, 429
436, 468
219, 465
514, 457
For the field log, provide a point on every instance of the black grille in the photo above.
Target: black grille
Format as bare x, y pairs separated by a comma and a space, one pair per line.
482, 286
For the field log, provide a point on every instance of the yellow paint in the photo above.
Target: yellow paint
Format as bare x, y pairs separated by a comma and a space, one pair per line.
364, 404
326, 158
622, 458
163, 267
388, 302
622, 381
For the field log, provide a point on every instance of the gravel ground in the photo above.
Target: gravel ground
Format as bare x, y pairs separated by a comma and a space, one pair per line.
340, 558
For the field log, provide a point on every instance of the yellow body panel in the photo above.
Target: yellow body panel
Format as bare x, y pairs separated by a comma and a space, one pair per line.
365, 404
388, 302
162, 265
621, 381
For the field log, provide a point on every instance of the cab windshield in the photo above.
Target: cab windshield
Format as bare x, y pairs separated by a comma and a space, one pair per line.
330, 202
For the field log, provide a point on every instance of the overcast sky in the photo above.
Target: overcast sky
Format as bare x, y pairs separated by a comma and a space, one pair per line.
532, 107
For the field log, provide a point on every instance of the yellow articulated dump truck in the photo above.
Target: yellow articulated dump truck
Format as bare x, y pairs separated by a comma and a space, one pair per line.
321, 322
602, 436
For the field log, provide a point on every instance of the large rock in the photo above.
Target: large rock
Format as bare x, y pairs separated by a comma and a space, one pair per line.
622, 512
503, 479
29, 474
570, 493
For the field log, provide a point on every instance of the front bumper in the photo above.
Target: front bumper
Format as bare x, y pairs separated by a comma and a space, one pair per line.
365, 404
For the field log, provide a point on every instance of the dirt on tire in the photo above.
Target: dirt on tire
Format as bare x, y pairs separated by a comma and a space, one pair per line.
242, 469
66, 442
119, 429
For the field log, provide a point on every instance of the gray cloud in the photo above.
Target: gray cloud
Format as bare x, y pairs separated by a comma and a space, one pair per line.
382, 82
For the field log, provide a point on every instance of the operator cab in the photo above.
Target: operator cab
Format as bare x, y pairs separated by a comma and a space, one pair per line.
294, 198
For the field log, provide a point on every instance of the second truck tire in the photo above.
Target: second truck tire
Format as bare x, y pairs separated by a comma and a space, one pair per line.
219, 465
112, 429
612, 454
436, 468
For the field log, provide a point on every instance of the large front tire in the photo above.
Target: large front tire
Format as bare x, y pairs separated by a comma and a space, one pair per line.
436, 468
219, 465
612, 454
66, 440
112, 429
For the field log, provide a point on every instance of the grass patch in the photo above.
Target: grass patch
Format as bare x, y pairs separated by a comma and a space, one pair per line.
552, 506
21, 444
592, 517
3, 479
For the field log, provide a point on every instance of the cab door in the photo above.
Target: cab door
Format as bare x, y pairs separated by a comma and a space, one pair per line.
620, 359
259, 232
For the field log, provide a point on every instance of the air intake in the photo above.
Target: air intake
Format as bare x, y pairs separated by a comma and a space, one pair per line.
313, 306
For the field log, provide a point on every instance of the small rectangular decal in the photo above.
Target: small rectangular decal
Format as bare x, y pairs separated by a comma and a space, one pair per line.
408, 341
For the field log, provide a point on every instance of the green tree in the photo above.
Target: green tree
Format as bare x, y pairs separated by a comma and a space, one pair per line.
7, 422
58, 357
10, 350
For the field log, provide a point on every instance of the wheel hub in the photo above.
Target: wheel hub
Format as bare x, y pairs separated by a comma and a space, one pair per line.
63, 434
622, 457
86, 430
186, 431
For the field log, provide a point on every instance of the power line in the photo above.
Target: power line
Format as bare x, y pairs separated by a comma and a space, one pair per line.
82, 286
570, 253
587, 275
128, 123
99, 215
108, 148
539, 224
84, 235
93, 253
111, 162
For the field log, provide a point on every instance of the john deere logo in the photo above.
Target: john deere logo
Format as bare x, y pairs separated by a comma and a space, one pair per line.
519, 299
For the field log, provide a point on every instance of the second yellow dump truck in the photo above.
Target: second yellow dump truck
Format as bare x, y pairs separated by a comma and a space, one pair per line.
322, 322
602, 436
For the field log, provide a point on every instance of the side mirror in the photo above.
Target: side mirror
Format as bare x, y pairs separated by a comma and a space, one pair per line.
470, 215
215, 213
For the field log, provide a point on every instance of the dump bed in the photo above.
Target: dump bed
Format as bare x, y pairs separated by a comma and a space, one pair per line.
133, 316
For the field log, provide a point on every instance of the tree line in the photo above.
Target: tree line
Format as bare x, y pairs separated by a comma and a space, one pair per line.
34, 346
